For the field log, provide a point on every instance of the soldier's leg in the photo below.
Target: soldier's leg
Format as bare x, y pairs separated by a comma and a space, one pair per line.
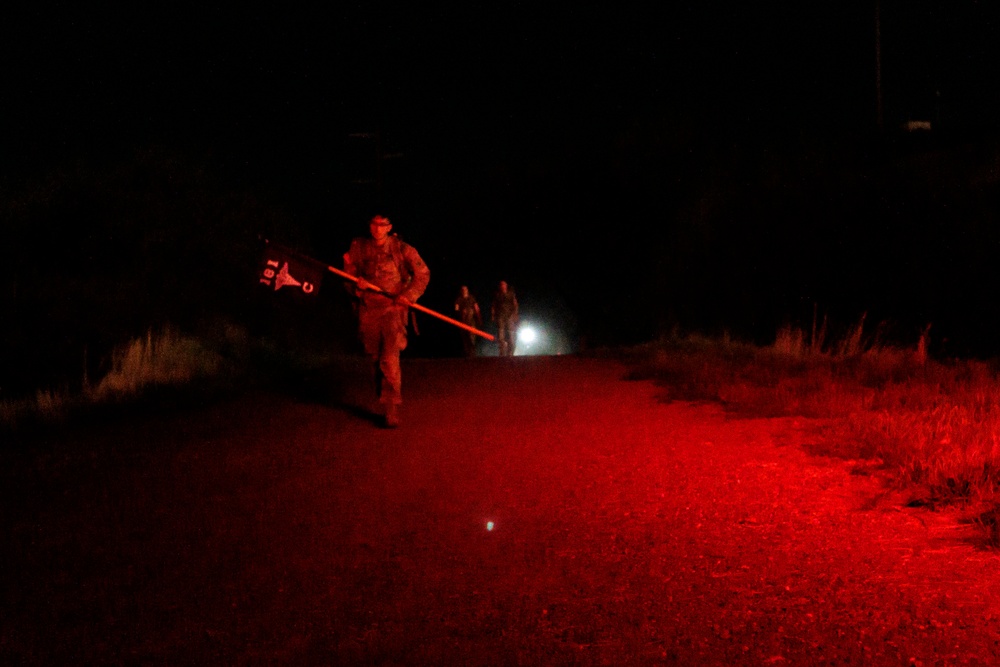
508, 340
502, 337
371, 340
391, 376
393, 341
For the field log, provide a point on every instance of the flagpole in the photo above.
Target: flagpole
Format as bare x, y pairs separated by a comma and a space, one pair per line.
433, 313
354, 279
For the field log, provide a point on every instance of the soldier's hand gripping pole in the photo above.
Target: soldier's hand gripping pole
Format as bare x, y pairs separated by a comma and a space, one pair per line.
423, 309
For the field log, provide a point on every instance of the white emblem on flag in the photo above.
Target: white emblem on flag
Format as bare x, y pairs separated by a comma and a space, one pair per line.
285, 278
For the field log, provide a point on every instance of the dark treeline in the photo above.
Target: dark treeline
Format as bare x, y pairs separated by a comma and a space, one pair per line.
616, 242
100, 253
656, 226
716, 169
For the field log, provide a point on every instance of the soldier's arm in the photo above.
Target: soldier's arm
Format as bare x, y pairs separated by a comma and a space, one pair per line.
420, 275
351, 268
352, 265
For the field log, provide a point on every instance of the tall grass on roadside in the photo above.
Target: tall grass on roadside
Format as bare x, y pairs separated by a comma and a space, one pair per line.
45, 405
162, 359
930, 427
166, 359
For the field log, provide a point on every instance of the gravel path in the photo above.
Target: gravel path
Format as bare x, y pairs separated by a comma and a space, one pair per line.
528, 511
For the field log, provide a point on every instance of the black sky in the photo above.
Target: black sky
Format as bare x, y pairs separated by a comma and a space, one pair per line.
279, 88
510, 122
511, 74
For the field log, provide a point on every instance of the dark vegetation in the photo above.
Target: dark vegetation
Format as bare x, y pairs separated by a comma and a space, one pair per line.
927, 429
655, 227
101, 255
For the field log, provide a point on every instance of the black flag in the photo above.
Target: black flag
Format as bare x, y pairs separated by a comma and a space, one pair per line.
284, 269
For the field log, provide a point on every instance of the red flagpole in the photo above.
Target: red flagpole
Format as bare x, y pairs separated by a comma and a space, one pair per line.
461, 325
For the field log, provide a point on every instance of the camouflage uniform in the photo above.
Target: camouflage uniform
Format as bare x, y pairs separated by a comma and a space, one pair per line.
504, 312
468, 313
396, 268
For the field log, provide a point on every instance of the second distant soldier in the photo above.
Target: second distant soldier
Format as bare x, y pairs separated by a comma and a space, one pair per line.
504, 312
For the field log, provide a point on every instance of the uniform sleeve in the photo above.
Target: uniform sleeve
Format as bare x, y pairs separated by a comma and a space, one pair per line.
351, 266
421, 275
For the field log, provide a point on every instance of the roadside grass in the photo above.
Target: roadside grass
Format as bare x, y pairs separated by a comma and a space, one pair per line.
157, 361
45, 406
929, 428
165, 360
163, 365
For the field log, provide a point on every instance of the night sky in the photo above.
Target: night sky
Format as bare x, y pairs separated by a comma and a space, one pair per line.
704, 164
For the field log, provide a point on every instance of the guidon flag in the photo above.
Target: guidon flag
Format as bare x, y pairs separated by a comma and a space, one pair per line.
282, 268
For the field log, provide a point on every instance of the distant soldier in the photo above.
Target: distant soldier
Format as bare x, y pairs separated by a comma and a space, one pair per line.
391, 275
505, 313
468, 313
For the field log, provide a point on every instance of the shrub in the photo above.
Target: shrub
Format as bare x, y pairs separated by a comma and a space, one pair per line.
162, 359
166, 359
929, 426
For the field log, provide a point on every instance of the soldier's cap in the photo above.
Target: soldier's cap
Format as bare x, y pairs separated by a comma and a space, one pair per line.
380, 220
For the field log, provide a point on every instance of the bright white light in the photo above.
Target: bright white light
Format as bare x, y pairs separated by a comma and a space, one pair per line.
489, 525
527, 335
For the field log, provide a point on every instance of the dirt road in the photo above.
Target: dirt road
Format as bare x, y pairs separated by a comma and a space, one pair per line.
528, 511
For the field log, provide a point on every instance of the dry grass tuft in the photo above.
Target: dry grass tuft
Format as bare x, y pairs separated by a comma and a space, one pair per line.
166, 359
47, 405
163, 359
931, 427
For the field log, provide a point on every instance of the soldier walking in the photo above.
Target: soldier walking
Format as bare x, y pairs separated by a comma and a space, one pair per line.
504, 311
468, 313
390, 276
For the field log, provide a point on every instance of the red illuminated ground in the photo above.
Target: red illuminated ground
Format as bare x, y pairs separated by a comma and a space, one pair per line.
282, 529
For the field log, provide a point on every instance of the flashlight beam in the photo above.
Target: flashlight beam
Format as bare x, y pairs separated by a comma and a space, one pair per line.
423, 309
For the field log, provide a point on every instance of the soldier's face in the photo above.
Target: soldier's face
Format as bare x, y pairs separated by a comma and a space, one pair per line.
379, 232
